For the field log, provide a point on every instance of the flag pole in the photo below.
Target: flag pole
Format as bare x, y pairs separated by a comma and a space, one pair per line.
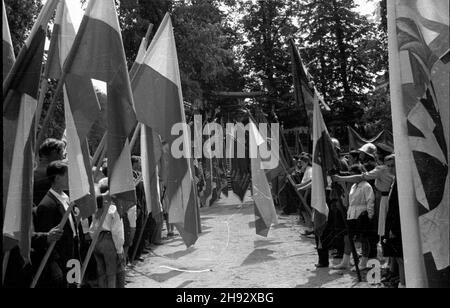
135, 135
98, 152
51, 110
138, 242
415, 273
5, 264
40, 104
289, 177
93, 244
50, 249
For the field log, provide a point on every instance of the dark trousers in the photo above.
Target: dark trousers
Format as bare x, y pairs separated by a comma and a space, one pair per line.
18, 274
140, 220
107, 261
322, 251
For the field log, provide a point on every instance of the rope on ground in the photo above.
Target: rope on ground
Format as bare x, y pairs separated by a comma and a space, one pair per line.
202, 270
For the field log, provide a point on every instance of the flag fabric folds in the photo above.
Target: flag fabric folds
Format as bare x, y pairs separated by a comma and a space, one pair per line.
8, 61
240, 176
81, 107
208, 177
304, 95
8, 50
151, 150
419, 69
265, 214
20, 92
98, 53
151, 153
159, 105
355, 141
324, 160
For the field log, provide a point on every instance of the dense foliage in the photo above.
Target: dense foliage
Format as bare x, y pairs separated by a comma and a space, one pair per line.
228, 45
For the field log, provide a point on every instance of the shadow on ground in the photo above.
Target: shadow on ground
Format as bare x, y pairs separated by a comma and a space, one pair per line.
262, 243
258, 256
321, 277
162, 277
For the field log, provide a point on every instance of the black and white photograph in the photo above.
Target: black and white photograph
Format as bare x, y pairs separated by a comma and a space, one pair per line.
226, 149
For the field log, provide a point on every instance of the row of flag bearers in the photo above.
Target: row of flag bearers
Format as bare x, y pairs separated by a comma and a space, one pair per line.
149, 97
79, 52
418, 33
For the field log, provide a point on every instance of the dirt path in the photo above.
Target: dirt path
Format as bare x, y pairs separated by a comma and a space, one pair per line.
229, 254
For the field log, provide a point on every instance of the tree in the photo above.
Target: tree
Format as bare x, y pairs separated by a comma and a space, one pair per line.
267, 26
203, 36
134, 18
21, 17
343, 52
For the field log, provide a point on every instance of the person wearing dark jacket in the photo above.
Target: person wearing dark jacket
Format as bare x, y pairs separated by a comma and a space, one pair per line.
333, 234
49, 214
50, 150
392, 241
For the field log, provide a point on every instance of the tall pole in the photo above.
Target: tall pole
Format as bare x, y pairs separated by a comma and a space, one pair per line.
5, 264
412, 249
51, 110
93, 243
98, 152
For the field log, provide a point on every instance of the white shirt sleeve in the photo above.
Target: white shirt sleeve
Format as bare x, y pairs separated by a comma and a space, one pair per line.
132, 216
85, 225
370, 200
307, 176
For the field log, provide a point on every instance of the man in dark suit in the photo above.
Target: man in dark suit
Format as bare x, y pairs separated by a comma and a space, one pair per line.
48, 216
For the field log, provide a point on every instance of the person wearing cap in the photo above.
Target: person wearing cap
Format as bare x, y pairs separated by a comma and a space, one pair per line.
367, 156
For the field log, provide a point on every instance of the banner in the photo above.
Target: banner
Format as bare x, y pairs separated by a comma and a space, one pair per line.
419, 79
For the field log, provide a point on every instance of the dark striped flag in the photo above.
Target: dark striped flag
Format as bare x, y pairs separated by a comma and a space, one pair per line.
98, 53
8, 50
304, 95
8, 62
151, 153
325, 159
151, 150
159, 105
208, 177
265, 214
419, 59
355, 140
81, 107
20, 92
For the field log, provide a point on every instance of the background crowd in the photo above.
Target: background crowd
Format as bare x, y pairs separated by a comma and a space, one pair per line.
364, 210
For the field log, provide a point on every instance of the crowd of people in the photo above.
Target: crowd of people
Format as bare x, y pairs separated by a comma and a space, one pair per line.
361, 196
363, 209
123, 238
